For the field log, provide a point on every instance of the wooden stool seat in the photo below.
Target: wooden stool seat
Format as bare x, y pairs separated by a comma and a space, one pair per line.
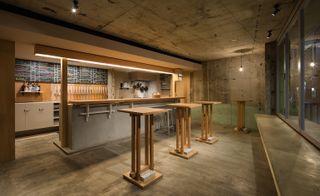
183, 130
142, 175
207, 135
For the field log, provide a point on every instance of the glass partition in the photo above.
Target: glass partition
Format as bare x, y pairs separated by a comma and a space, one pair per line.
281, 78
312, 68
294, 72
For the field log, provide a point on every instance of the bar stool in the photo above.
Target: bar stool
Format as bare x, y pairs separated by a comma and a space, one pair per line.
142, 175
165, 120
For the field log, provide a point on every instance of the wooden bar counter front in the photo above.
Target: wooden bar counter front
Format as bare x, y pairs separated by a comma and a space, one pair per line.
207, 122
183, 129
142, 175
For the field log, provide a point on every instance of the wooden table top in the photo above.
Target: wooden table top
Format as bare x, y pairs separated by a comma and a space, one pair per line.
209, 102
184, 105
143, 110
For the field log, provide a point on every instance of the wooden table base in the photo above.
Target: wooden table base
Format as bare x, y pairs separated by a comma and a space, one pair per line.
135, 176
183, 131
206, 125
241, 116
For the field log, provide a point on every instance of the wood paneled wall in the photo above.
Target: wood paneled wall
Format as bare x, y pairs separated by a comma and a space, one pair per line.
7, 111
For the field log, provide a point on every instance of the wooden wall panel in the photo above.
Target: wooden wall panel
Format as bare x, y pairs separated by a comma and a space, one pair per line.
63, 120
7, 125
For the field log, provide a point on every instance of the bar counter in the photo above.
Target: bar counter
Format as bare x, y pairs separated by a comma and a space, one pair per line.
97, 122
125, 100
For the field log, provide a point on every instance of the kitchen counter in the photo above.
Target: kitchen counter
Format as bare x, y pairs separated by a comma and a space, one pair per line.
125, 100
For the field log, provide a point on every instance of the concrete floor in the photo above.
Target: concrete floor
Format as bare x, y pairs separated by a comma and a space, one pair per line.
235, 165
295, 162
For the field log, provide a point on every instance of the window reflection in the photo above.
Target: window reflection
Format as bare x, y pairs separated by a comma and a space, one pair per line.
312, 69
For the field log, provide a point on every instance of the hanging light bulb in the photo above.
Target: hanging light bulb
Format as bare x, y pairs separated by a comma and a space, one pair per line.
75, 6
241, 68
312, 63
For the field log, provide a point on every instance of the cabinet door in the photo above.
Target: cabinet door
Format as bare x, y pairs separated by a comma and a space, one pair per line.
40, 115
20, 117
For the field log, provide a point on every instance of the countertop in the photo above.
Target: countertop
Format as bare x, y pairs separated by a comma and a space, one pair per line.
125, 100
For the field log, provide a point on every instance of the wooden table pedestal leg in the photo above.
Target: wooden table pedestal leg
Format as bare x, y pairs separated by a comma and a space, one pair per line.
142, 175
183, 137
241, 116
207, 125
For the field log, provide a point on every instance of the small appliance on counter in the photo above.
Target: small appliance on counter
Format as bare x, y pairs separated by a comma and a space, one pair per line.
156, 95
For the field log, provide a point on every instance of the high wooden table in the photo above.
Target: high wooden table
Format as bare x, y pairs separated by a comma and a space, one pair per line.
142, 175
207, 122
183, 130
241, 115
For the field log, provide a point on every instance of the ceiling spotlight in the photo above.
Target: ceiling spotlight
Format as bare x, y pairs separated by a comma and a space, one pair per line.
75, 6
276, 10
269, 34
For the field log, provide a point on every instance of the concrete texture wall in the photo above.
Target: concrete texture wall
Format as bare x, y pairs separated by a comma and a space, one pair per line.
270, 77
226, 83
222, 81
196, 86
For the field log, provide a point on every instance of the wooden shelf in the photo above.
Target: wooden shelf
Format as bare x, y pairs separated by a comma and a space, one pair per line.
31, 92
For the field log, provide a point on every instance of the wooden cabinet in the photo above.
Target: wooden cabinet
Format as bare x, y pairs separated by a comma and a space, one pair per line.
33, 115
20, 116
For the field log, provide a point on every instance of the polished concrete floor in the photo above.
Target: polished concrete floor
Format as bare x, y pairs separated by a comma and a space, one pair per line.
235, 165
295, 162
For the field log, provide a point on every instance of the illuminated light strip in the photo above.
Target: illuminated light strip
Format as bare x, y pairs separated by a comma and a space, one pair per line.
105, 64
48, 56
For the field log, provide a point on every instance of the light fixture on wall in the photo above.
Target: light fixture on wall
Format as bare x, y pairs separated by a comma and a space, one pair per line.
269, 34
312, 63
75, 6
241, 67
276, 10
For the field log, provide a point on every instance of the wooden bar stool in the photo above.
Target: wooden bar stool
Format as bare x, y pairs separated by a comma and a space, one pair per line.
142, 175
183, 130
207, 122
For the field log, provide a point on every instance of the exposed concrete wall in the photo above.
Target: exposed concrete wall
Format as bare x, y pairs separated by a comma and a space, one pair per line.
221, 80
227, 83
270, 77
196, 86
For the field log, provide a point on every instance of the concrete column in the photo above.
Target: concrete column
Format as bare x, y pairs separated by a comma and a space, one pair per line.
7, 99
270, 77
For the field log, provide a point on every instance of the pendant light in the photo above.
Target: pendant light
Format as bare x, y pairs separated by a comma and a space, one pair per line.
241, 68
312, 63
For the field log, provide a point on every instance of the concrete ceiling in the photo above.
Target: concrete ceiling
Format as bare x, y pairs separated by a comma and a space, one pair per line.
199, 29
